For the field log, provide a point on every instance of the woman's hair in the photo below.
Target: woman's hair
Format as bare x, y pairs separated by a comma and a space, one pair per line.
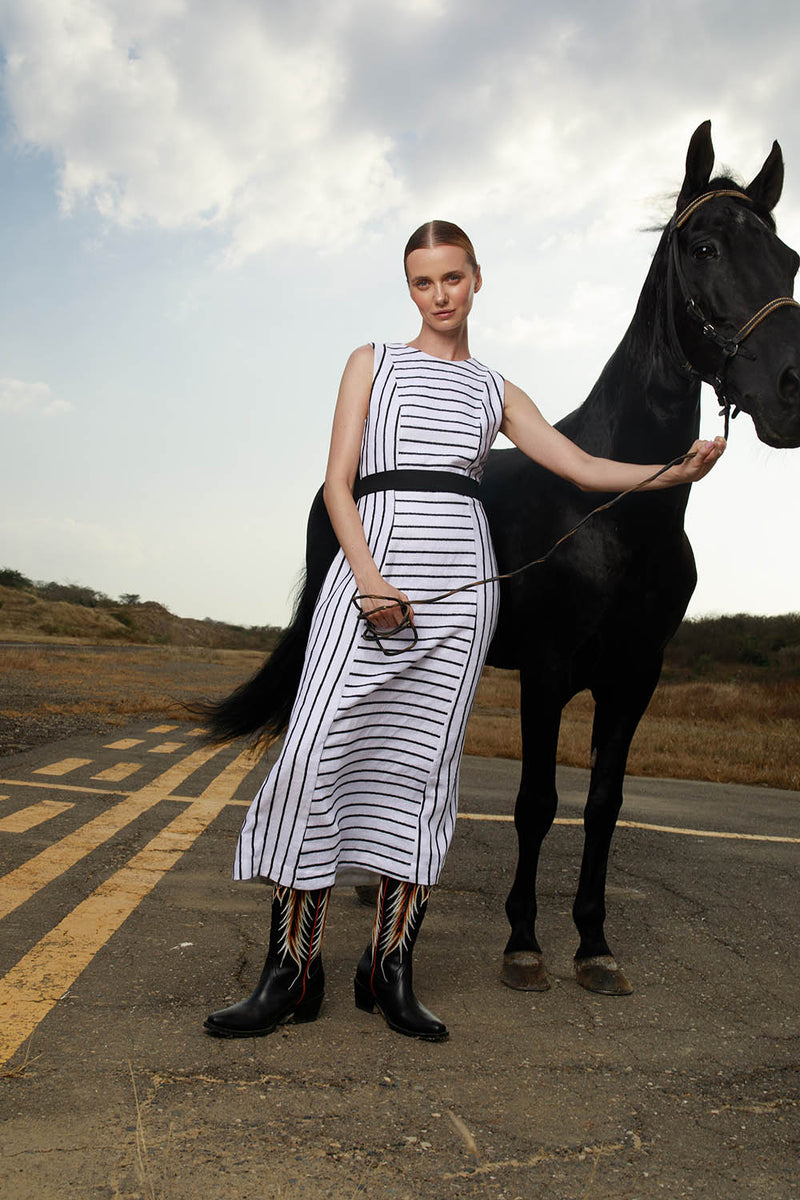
440, 233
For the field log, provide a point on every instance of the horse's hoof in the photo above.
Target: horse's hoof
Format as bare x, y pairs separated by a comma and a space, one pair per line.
602, 974
524, 970
367, 894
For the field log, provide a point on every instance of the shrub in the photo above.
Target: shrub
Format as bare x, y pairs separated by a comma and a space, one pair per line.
14, 579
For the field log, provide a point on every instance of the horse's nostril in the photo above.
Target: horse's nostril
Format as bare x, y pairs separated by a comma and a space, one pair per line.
789, 384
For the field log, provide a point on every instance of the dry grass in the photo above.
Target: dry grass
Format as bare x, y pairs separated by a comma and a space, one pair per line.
747, 732
55, 693
724, 732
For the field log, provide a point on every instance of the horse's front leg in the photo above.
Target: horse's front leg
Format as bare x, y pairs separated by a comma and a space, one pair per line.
537, 801
618, 710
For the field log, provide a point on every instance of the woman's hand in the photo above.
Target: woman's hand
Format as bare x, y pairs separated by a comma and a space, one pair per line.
699, 461
377, 605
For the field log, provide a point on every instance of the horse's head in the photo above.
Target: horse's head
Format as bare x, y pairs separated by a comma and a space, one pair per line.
726, 265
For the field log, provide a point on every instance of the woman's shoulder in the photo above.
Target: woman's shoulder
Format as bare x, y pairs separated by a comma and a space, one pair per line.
362, 354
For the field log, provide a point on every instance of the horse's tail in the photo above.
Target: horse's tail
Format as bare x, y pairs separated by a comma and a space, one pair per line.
260, 707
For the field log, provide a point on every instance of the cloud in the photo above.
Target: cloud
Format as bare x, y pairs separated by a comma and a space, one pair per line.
313, 124
17, 396
592, 312
191, 118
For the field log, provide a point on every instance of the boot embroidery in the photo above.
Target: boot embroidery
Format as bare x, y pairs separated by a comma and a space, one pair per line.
399, 913
302, 924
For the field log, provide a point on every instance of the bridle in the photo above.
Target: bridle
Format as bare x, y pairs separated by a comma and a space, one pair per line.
728, 347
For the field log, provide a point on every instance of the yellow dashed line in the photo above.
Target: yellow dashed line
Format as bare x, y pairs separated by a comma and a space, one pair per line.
36, 814
197, 732
19, 885
64, 767
162, 729
34, 986
63, 787
701, 833
166, 748
120, 770
124, 744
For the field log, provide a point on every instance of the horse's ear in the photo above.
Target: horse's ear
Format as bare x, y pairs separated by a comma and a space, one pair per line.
699, 164
767, 186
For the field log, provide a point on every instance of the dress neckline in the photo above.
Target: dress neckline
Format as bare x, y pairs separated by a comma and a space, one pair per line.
435, 357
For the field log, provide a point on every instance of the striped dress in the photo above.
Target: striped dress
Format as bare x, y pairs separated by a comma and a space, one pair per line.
367, 780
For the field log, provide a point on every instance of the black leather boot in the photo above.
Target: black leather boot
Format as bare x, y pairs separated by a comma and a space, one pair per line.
292, 983
383, 976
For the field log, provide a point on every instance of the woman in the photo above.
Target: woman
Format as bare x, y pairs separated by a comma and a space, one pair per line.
367, 779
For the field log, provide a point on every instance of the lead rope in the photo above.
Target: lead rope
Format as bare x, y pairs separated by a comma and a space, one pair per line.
406, 606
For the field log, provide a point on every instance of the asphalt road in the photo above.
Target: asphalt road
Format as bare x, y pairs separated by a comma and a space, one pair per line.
121, 931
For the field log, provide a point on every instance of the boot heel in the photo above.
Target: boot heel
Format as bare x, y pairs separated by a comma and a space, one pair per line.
307, 1010
364, 998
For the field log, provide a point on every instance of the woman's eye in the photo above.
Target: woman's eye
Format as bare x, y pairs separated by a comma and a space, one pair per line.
704, 250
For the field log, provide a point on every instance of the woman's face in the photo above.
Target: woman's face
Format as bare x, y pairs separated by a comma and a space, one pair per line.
442, 283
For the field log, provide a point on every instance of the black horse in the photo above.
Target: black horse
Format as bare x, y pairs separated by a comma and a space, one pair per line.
599, 615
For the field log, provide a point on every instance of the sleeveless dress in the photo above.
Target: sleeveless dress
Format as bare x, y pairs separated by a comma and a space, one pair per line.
367, 780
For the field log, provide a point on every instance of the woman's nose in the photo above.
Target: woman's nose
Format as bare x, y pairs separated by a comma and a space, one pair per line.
441, 294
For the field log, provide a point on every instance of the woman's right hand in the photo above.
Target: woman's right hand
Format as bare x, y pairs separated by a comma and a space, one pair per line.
376, 604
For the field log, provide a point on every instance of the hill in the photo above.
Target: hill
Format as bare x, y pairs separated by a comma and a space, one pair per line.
737, 648
48, 612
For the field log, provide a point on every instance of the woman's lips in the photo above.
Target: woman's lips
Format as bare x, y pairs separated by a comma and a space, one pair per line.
449, 313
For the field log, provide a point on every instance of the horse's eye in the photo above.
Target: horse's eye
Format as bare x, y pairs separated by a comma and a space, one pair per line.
704, 250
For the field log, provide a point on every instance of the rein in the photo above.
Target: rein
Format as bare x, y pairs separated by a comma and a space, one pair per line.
405, 606
728, 347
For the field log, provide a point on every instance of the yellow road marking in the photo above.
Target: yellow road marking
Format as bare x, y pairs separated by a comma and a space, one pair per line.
124, 744
162, 729
63, 787
120, 770
701, 833
19, 885
36, 814
64, 767
167, 747
196, 732
34, 986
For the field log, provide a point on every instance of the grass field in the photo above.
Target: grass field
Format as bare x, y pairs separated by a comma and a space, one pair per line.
747, 732
735, 732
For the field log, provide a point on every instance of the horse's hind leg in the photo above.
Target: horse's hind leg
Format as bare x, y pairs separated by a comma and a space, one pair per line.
618, 710
537, 800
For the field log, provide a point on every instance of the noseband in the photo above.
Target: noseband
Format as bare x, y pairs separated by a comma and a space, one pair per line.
728, 347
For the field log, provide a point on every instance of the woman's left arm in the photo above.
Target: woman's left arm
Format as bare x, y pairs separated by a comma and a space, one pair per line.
525, 426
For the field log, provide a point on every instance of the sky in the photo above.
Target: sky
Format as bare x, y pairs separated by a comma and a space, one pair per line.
203, 209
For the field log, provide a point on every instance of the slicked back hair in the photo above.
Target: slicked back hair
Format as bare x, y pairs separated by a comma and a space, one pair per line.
440, 233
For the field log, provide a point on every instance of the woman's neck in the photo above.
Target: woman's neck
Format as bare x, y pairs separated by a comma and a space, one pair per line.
453, 347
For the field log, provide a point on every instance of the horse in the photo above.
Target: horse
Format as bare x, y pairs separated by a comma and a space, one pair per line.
600, 614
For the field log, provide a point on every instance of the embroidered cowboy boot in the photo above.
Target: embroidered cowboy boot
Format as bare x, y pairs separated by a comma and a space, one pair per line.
293, 981
384, 976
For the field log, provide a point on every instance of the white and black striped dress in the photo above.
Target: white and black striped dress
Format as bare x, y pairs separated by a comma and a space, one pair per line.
367, 779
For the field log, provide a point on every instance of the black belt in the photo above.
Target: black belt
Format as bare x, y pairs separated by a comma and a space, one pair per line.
416, 481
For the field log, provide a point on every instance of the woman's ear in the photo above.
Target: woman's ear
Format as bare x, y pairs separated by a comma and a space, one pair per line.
478, 280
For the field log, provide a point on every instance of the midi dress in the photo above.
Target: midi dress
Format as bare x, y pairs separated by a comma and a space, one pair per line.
366, 782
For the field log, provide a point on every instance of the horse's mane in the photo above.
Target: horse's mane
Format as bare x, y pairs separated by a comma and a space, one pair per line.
667, 200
